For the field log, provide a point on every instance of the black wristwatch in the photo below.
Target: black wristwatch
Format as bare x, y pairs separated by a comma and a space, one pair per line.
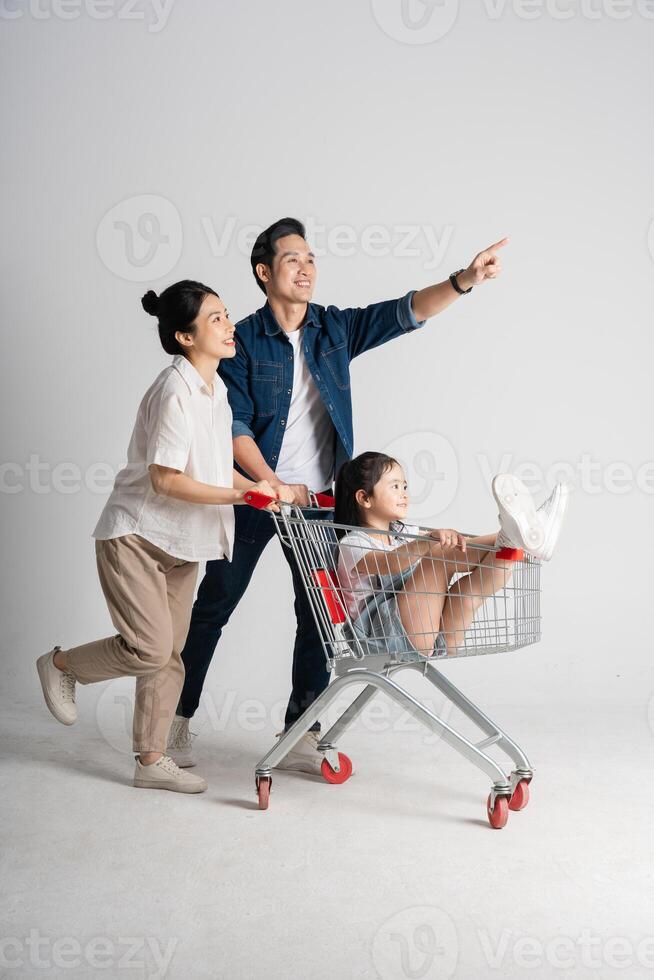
455, 285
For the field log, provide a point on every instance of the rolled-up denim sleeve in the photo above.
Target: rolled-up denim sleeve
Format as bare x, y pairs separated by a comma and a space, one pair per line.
236, 375
405, 313
371, 326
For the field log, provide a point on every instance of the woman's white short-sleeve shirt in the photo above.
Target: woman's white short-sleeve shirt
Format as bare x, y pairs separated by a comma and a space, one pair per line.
181, 424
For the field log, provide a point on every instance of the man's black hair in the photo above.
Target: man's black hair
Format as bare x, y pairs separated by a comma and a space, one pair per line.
264, 247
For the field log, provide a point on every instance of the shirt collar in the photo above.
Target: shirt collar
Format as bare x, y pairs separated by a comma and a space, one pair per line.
191, 376
271, 326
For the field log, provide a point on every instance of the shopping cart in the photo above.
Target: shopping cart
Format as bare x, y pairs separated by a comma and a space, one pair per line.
489, 604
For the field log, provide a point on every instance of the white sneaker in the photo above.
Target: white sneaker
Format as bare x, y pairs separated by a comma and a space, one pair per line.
552, 512
164, 774
58, 688
180, 743
304, 757
520, 525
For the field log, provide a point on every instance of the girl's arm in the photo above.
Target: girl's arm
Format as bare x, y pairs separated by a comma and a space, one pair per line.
392, 562
174, 483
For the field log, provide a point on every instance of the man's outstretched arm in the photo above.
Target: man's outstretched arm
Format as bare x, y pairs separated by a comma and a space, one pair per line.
434, 299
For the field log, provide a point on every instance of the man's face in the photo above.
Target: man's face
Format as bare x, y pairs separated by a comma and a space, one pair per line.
293, 274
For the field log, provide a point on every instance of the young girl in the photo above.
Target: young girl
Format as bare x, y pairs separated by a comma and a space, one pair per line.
170, 508
400, 594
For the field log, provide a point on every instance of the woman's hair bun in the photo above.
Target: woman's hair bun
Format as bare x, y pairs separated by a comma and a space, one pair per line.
150, 303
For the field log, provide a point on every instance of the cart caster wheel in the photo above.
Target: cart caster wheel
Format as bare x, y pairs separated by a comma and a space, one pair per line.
263, 791
520, 796
337, 777
498, 816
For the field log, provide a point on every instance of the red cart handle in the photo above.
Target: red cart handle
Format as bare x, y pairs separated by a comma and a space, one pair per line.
261, 500
325, 500
258, 500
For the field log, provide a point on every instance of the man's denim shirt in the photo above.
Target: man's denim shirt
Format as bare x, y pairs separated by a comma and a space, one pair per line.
259, 377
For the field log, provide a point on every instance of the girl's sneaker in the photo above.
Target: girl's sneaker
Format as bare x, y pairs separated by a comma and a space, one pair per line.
58, 688
520, 524
552, 512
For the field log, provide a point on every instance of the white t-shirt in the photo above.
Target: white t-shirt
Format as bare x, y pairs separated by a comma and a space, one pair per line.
307, 453
183, 425
357, 588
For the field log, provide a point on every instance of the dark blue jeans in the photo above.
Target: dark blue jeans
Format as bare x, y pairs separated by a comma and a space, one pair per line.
219, 594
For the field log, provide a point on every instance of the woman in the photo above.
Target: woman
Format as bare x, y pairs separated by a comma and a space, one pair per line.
170, 508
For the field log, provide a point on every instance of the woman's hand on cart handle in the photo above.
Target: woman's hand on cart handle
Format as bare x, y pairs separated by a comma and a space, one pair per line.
262, 496
449, 538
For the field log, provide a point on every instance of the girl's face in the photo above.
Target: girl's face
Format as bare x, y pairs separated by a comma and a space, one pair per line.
389, 500
214, 331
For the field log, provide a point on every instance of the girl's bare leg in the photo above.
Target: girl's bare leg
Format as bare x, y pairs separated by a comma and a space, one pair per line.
420, 602
486, 576
428, 604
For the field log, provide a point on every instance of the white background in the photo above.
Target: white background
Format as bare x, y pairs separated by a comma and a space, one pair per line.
510, 124
491, 118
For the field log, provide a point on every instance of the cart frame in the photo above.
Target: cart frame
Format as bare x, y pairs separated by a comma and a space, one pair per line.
311, 546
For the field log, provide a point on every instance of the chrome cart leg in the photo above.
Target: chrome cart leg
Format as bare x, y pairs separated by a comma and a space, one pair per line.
299, 728
494, 734
406, 701
350, 714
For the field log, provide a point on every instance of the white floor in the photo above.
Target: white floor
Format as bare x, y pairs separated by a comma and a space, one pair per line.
395, 874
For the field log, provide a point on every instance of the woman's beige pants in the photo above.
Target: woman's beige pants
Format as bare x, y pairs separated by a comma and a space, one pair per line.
150, 596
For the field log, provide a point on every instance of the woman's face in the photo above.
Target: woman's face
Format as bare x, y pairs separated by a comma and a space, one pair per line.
389, 499
214, 331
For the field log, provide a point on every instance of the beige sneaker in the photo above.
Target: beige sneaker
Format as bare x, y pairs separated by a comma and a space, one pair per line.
164, 774
304, 757
180, 743
58, 689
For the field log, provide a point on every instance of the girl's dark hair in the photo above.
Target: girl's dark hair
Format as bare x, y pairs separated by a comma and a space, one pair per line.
361, 473
176, 309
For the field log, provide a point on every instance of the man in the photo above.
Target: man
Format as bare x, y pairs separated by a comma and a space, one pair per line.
289, 390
